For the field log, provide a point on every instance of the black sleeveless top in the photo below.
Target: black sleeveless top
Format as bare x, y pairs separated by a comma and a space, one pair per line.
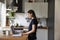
33, 35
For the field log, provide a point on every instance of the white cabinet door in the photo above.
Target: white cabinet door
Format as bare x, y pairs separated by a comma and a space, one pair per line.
41, 9
44, 10
42, 34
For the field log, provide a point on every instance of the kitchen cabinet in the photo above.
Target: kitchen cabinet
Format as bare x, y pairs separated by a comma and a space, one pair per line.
41, 9
42, 34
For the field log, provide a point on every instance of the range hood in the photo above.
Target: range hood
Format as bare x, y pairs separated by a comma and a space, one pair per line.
2, 1
19, 4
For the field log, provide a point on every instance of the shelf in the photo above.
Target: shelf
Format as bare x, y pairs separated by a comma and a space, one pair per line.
8, 9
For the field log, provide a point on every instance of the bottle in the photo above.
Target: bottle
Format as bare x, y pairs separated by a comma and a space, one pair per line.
12, 28
17, 25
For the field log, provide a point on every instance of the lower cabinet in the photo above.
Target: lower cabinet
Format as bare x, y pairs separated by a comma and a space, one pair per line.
42, 34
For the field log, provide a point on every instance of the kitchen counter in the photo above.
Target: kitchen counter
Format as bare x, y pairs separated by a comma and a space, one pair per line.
42, 27
10, 37
13, 37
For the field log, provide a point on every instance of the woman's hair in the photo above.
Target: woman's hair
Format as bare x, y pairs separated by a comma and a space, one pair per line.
33, 13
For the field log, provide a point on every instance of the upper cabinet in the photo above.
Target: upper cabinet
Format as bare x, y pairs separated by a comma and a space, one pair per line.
40, 8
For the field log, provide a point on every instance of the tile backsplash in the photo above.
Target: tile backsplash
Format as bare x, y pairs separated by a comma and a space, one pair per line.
20, 18
43, 22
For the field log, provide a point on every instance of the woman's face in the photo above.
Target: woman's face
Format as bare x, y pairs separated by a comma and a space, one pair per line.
29, 15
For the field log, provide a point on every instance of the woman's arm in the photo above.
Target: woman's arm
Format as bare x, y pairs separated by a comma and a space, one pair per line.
33, 30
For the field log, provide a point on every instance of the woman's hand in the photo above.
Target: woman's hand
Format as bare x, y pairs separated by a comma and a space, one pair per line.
33, 30
24, 33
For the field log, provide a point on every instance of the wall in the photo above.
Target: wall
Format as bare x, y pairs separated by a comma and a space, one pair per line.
50, 21
0, 13
57, 19
3, 15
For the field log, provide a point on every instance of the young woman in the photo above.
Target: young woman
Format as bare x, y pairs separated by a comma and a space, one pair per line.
33, 26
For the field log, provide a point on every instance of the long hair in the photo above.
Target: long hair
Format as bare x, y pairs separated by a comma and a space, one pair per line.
33, 13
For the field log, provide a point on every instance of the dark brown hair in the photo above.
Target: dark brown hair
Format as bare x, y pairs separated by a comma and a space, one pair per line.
33, 13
